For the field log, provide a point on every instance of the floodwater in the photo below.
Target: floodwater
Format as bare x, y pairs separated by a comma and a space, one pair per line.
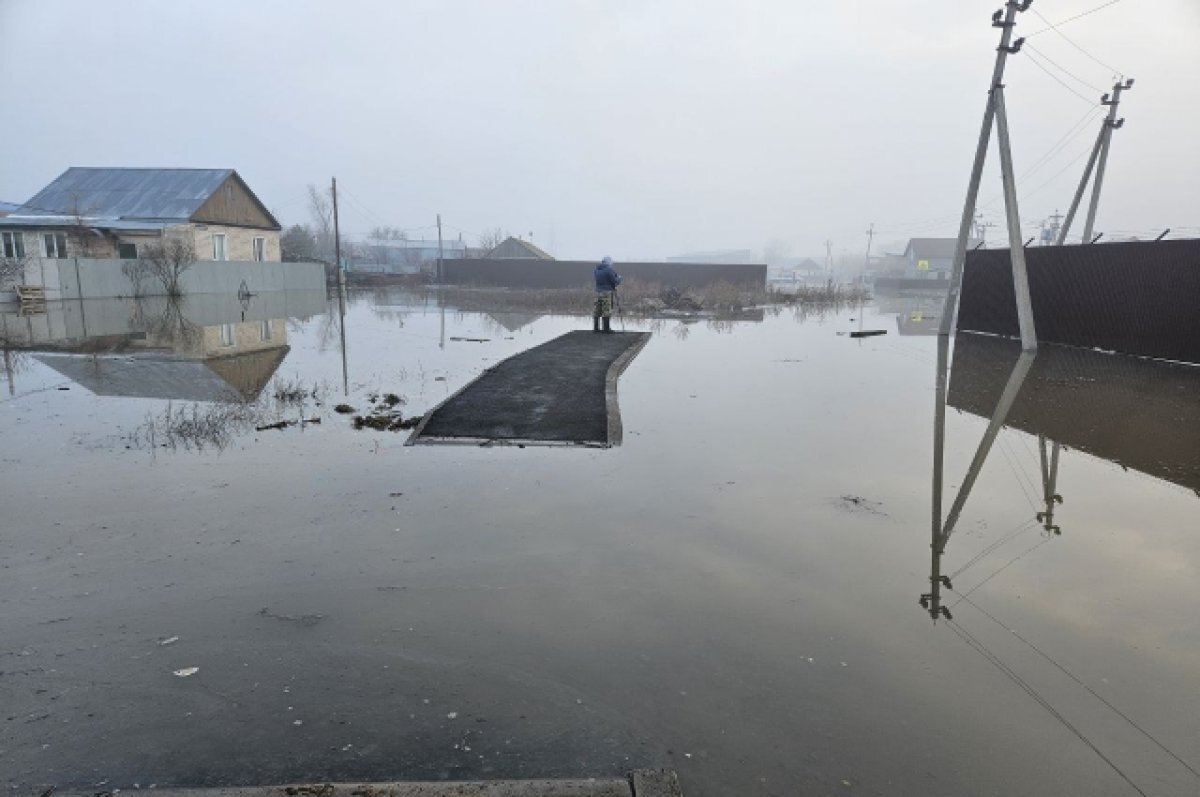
732, 593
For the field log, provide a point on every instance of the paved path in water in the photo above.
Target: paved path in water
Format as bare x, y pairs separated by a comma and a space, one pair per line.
563, 391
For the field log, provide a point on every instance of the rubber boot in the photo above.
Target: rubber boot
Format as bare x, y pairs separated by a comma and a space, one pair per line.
595, 323
607, 328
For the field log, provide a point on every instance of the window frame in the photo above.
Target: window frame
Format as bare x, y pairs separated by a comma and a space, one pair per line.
224, 239
14, 241
60, 245
264, 330
120, 254
258, 248
228, 336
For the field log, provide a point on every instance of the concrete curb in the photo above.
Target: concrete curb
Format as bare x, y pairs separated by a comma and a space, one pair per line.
616, 431
640, 783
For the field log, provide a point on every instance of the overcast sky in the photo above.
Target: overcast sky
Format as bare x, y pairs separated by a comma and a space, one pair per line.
636, 129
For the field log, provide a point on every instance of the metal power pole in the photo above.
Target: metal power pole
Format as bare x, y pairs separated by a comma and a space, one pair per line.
439, 270
1111, 123
1005, 19
1099, 153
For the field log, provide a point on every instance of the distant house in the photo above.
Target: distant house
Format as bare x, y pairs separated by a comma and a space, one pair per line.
7, 208
405, 256
115, 212
515, 249
931, 258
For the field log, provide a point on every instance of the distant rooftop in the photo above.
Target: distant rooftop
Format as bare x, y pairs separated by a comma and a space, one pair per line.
511, 248
926, 248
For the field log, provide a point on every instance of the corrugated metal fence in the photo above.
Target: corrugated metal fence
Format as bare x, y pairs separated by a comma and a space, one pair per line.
1139, 298
531, 273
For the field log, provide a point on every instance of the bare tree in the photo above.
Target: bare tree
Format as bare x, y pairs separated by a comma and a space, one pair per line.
490, 239
168, 259
81, 233
320, 208
379, 236
137, 271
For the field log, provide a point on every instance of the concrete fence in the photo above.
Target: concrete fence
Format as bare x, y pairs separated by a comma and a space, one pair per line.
91, 278
533, 273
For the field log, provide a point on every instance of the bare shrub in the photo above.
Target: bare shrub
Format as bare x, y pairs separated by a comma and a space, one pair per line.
168, 259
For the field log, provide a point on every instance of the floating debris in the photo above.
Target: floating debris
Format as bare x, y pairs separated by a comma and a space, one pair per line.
169, 641
186, 671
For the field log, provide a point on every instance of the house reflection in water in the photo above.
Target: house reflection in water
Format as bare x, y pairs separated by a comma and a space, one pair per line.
197, 349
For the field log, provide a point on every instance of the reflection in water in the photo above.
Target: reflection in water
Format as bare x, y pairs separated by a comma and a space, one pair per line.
200, 348
1140, 414
917, 312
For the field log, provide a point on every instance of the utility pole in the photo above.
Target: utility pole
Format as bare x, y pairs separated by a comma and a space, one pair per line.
1099, 152
994, 111
337, 238
439, 270
870, 237
341, 281
1111, 123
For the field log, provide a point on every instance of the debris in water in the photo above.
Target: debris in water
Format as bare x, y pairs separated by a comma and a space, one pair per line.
344, 409
854, 503
303, 619
169, 641
453, 715
186, 671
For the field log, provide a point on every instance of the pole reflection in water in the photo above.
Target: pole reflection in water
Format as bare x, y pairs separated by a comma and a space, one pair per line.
941, 531
342, 335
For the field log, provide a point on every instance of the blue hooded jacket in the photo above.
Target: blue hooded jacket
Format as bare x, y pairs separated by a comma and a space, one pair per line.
607, 279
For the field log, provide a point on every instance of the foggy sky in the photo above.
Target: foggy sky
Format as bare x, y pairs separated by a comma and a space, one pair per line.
638, 129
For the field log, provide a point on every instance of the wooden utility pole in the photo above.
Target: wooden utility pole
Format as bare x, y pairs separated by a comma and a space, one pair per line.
341, 281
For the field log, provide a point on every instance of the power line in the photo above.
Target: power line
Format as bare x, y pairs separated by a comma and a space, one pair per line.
1063, 69
1055, 25
1089, 689
1071, 134
1033, 59
982, 650
1054, 28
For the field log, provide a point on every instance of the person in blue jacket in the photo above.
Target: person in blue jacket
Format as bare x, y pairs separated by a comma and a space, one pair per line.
607, 280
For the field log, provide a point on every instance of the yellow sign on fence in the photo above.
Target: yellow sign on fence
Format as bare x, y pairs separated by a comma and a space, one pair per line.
922, 265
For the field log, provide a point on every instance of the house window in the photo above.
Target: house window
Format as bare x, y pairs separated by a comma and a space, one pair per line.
12, 244
264, 330
228, 338
260, 249
54, 245
127, 251
219, 252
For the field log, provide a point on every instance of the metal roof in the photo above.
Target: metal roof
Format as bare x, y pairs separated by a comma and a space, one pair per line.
120, 193
58, 222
